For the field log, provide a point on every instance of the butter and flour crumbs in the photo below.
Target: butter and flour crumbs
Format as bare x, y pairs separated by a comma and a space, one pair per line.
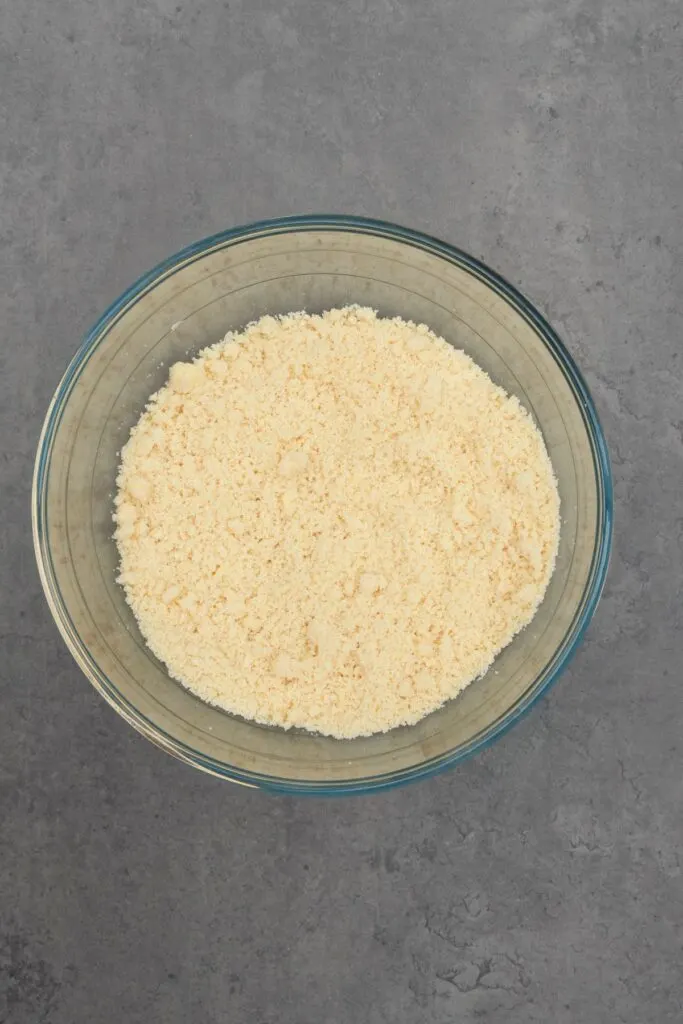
333, 522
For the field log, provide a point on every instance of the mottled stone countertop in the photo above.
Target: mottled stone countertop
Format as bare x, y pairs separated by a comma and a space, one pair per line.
541, 881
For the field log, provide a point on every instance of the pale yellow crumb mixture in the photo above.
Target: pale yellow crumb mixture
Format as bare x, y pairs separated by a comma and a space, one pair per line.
333, 522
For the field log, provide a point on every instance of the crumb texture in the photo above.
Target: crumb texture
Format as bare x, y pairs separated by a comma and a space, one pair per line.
333, 522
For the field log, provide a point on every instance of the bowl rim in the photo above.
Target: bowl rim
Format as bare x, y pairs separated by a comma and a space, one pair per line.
601, 463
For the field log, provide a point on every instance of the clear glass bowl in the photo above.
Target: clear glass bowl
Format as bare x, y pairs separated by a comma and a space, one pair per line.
190, 301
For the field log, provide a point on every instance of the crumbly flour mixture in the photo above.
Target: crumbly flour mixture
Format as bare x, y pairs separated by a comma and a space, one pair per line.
333, 522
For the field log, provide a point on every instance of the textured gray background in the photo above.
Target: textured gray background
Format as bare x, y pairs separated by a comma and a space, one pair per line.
541, 882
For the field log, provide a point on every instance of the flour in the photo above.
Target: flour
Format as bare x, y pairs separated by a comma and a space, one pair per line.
333, 522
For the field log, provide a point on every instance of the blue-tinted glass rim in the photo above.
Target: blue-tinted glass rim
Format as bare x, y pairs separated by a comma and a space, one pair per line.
601, 463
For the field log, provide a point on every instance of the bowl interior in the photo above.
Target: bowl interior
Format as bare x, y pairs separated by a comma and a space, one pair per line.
191, 302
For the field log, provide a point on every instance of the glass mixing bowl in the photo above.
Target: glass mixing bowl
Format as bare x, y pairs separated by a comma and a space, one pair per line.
190, 301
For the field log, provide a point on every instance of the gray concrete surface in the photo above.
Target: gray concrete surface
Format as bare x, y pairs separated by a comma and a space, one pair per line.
541, 882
